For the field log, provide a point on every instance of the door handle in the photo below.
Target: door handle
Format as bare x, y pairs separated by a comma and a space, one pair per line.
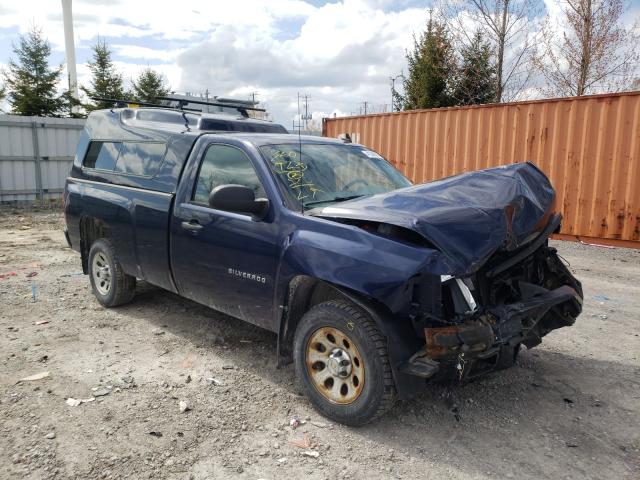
192, 226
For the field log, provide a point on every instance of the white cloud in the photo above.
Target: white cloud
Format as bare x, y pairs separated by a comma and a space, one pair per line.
134, 51
146, 18
341, 53
344, 54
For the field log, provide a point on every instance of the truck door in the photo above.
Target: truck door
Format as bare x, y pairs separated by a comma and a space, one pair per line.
225, 260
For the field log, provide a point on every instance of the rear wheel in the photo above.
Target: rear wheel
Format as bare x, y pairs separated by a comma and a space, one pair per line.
342, 363
111, 286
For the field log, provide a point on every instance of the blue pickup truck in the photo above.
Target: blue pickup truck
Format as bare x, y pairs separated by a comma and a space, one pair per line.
374, 286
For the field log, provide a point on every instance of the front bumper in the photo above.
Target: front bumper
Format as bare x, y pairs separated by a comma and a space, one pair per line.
491, 340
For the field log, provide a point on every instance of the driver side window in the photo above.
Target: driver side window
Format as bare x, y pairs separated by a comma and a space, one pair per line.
222, 165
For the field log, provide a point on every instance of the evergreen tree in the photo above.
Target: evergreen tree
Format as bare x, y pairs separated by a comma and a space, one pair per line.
32, 86
106, 82
477, 76
398, 101
431, 69
149, 86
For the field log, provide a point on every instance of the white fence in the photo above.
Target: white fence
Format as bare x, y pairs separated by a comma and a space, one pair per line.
35, 156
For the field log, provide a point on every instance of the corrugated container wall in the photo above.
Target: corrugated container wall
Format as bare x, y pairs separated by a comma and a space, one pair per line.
35, 156
588, 146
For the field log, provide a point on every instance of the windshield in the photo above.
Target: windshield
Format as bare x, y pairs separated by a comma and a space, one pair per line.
316, 175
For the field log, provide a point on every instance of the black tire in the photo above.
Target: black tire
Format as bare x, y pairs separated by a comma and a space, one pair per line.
377, 393
122, 287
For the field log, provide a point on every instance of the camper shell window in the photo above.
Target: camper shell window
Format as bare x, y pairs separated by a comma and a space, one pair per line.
127, 158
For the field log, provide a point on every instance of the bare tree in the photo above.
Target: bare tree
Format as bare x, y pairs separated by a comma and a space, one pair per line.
507, 24
594, 53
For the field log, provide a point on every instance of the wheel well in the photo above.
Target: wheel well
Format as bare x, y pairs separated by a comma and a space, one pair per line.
304, 292
91, 229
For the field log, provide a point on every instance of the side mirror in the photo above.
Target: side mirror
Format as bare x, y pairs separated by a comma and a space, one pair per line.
238, 198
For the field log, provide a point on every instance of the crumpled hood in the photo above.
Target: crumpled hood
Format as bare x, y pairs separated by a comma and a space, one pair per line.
466, 217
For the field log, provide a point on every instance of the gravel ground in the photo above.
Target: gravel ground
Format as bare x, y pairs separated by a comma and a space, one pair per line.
569, 409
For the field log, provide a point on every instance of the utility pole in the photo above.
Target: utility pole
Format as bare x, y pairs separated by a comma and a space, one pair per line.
70, 49
299, 122
307, 116
365, 104
299, 117
253, 97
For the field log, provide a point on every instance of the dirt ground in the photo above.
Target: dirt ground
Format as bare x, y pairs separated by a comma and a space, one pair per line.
570, 409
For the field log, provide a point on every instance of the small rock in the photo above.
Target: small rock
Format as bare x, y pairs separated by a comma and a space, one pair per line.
295, 422
50, 436
184, 406
101, 392
74, 402
37, 376
310, 453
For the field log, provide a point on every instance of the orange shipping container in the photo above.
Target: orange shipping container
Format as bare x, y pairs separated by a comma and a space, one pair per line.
588, 146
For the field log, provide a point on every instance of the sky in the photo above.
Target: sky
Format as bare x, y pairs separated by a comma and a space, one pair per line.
340, 53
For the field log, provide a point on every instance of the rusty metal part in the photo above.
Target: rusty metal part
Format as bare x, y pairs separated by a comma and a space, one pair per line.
334, 365
448, 342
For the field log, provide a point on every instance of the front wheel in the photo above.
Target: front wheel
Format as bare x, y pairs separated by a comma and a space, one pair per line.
342, 363
111, 286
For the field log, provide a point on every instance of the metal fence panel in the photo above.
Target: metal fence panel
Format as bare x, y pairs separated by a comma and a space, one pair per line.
588, 146
35, 156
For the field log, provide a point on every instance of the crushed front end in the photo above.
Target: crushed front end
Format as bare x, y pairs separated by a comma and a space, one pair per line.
476, 324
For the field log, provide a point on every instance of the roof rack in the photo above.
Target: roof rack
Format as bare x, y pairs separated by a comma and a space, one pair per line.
122, 103
221, 102
240, 105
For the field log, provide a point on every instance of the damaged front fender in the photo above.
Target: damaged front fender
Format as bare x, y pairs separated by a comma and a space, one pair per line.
349, 257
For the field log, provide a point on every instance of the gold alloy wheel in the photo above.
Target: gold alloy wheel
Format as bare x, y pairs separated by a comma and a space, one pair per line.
335, 365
